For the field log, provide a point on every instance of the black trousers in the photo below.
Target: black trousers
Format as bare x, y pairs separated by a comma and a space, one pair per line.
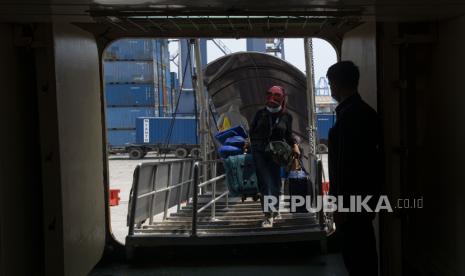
268, 176
359, 247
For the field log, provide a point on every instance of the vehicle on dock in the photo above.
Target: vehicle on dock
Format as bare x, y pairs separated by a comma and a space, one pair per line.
163, 135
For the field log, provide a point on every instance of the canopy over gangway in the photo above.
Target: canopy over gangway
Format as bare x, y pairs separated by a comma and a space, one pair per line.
244, 77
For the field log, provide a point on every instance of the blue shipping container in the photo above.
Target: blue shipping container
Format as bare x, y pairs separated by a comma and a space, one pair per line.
130, 49
156, 131
125, 117
130, 94
324, 122
118, 137
160, 51
129, 72
186, 104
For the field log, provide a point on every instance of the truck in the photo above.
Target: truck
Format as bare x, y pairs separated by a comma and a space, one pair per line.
176, 135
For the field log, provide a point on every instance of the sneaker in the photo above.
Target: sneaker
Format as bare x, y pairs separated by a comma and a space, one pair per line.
267, 222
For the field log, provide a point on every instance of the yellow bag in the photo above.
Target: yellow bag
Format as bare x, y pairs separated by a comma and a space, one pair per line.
226, 124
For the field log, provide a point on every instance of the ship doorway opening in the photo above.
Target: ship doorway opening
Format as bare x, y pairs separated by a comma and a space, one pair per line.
152, 117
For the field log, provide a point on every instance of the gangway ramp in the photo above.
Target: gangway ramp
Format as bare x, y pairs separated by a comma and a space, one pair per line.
191, 211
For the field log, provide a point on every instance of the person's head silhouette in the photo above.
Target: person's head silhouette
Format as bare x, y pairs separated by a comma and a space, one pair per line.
343, 80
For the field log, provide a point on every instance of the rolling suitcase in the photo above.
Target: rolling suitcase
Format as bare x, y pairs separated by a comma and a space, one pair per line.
299, 184
241, 176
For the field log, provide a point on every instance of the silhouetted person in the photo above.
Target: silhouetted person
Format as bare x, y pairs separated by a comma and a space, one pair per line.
271, 123
353, 167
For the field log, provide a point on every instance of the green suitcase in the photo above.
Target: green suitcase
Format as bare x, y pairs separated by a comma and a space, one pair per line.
241, 176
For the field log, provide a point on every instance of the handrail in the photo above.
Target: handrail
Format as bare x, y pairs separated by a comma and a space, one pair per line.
212, 201
215, 179
168, 188
214, 198
168, 162
211, 161
195, 196
165, 189
132, 216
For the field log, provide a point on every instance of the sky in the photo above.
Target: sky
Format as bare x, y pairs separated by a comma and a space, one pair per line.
324, 54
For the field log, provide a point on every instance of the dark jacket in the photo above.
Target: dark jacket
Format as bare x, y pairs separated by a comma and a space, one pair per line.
263, 122
353, 157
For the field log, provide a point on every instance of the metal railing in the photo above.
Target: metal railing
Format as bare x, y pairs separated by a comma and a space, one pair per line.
143, 204
212, 181
145, 200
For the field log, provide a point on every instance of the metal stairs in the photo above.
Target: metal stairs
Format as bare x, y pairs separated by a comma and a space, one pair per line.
234, 219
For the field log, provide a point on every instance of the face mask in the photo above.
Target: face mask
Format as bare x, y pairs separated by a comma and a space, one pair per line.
274, 109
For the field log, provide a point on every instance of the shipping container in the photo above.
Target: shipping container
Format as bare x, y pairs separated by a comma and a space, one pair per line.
120, 138
130, 49
156, 130
186, 106
130, 72
324, 122
156, 50
160, 51
125, 117
130, 94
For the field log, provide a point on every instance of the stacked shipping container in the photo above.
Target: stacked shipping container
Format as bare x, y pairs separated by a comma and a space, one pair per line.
324, 122
137, 84
166, 130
